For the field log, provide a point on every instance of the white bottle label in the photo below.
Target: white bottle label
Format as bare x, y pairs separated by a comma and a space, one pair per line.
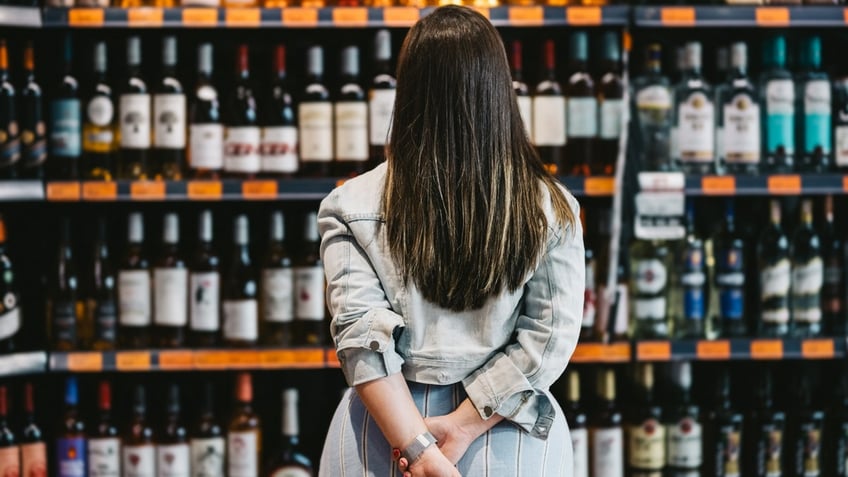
135, 121
807, 278
525, 109
775, 282
291, 472
169, 114
173, 460
309, 293
10, 322
612, 117
649, 308
242, 454
351, 123
651, 276
241, 149
277, 295
607, 452
380, 108
696, 129
134, 297
139, 461
279, 149
817, 97
104, 457
582, 117
170, 289
654, 97
580, 446
316, 131
549, 121
840, 139
207, 457
206, 146
205, 301
241, 320
741, 131
646, 445
684, 444
100, 111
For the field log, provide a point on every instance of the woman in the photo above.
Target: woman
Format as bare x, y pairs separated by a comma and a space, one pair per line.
455, 276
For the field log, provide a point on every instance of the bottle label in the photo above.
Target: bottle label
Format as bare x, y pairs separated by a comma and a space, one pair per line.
277, 295
807, 280
173, 460
100, 111
65, 321
241, 149
34, 460
773, 452
135, 121
647, 445
316, 131
169, 112
549, 120
612, 117
170, 289
65, 128
582, 117
656, 98
104, 457
206, 146
684, 444
139, 461
380, 108
205, 301
70, 455
589, 296
580, 446
525, 110
696, 129
841, 145
105, 319
693, 279
309, 293
279, 149
10, 319
33, 140
817, 116
607, 452
774, 284
731, 280
741, 131
10, 463
651, 276
241, 319
811, 438
207, 457
134, 297
649, 308
731, 443
351, 130
242, 454
291, 472
780, 114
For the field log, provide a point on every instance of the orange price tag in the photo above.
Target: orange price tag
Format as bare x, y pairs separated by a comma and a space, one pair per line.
176, 360
211, 359
767, 349
552, 169
243, 17
718, 185
82, 17
300, 16
599, 185
817, 349
243, 359
63, 191
85, 362
345, 16
713, 349
99, 190
200, 17
526, 15
400, 16
617, 353
653, 351
147, 190
587, 353
788, 184
293, 358
772, 16
205, 190
845, 15
845, 183
277, 359
332, 359
583, 15
132, 361
677, 16
137, 17
259, 190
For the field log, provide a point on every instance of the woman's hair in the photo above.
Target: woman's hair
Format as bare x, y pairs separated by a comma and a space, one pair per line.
464, 201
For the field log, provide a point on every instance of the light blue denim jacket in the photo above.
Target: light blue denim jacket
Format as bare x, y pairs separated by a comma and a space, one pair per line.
507, 353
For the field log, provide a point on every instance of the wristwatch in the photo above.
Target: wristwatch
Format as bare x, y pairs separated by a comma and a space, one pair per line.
414, 449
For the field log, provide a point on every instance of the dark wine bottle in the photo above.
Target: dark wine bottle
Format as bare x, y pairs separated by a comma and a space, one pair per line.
134, 309
289, 459
134, 114
206, 133
277, 305
65, 122
775, 276
63, 289
833, 288
522, 91
205, 288
139, 451
381, 97
315, 119
350, 114
806, 430
33, 129
684, 454
244, 432
173, 454
98, 132
169, 116
102, 303
104, 442
730, 275
577, 421
549, 133
807, 275
10, 307
208, 444
10, 143
170, 288
70, 437
768, 427
279, 130
242, 136
33, 447
10, 461
610, 96
240, 304
309, 287
646, 433
724, 444
582, 108
606, 437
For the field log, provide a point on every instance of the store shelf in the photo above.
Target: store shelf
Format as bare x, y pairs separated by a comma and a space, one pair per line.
16, 191
740, 349
723, 16
14, 364
602, 353
26, 17
779, 184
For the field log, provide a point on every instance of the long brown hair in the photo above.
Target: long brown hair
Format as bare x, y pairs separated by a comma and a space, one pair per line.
463, 201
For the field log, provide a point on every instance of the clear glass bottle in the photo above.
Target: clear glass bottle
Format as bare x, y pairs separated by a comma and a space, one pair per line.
654, 109
170, 288
650, 266
694, 117
739, 118
239, 295
606, 435
576, 417
315, 118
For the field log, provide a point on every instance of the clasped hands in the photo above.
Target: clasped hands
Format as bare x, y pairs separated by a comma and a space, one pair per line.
440, 461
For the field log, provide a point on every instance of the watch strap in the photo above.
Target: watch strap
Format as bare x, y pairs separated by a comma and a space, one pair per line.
414, 449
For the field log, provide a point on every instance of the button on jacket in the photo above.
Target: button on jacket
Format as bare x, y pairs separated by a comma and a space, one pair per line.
506, 354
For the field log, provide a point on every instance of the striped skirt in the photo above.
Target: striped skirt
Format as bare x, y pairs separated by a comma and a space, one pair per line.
355, 446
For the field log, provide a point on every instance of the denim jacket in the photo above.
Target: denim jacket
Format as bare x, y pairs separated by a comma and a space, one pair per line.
506, 354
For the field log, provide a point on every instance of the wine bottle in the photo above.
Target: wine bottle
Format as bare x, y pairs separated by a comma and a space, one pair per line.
65, 122
684, 455
807, 432
694, 117
315, 118
309, 287
98, 133
582, 108
277, 287
170, 288
832, 298
10, 309
205, 288
104, 442
778, 109
730, 275
139, 451
289, 459
724, 446
381, 97
169, 115
549, 133
775, 273
134, 296
10, 462
279, 131
645, 433
206, 133
739, 118
64, 293
350, 112
33, 130
173, 454
650, 266
691, 309
102, 307
606, 438
576, 418
242, 135
813, 121
807, 275
522, 91
837, 464
208, 445
769, 428
33, 447
240, 305
243, 433
70, 437
590, 297
134, 114
610, 97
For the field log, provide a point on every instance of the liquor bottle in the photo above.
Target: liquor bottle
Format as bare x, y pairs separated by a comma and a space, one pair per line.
832, 297
577, 420
730, 275
98, 131
205, 288
289, 459
350, 113
590, 297
279, 131
653, 106
33, 447
606, 438
695, 117
807, 432
240, 305
70, 437
134, 114
33, 130
611, 99
10, 143
684, 455
243, 433
768, 426
102, 306
724, 447
277, 287
10, 310
10, 462
170, 288
775, 276
381, 97
309, 287
650, 263
64, 293
739, 118
315, 118
549, 132
807, 275
690, 310
206, 133
724, 71
837, 461
65, 121
645, 433
581, 108
242, 134
813, 121
134, 308
522, 91
169, 116
208, 446
173, 454
104, 442
840, 123
139, 451
778, 121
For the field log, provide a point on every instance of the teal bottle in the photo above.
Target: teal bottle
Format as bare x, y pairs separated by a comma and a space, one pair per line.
778, 109
814, 110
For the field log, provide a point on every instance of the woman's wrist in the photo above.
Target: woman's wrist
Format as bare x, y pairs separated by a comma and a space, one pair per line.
468, 419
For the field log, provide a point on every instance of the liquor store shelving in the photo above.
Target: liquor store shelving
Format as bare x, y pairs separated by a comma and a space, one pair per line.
31, 362
25, 17
740, 349
725, 16
776, 184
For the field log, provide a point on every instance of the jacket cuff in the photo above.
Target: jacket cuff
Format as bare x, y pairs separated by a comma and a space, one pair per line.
366, 349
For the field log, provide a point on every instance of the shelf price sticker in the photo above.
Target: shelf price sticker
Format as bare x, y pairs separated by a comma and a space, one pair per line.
63, 191
145, 17
147, 190
583, 15
243, 17
132, 361
718, 185
817, 349
85, 361
259, 190
784, 184
713, 349
772, 16
300, 16
400, 16
526, 15
176, 360
599, 186
211, 359
332, 359
99, 190
766, 349
677, 16
845, 15
86, 17
200, 17
617, 353
243, 359
292, 358
204, 190
350, 16
845, 180
653, 351
588, 353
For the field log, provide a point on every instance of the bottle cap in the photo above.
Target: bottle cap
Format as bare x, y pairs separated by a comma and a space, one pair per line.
315, 61
774, 52
350, 61
516, 55
29, 57
169, 50
205, 228
654, 58
278, 226
135, 232
204, 58
133, 51
550, 55
2, 230
383, 45
722, 59
173, 406
681, 374
811, 53
310, 227
280, 60
573, 386
612, 47
171, 228
291, 425
29, 398
100, 59
579, 46
4, 401
243, 59
739, 55
693, 55
244, 388
71, 392
105, 396
139, 399
241, 234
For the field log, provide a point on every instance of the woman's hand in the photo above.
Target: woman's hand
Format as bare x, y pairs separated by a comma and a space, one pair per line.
452, 439
432, 463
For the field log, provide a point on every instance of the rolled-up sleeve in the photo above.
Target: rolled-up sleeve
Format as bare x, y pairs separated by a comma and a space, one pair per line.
363, 323
513, 383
